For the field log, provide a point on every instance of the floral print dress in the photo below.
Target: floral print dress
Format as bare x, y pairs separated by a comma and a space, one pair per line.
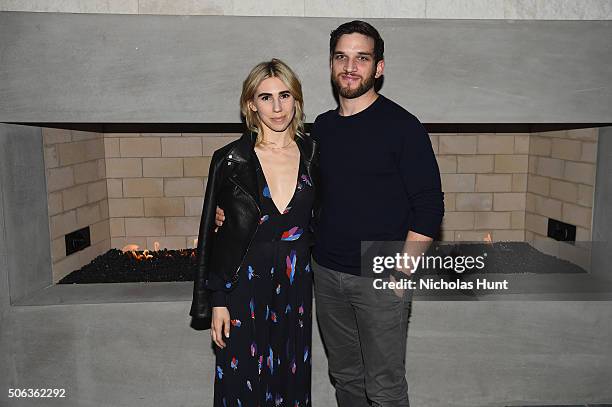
267, 361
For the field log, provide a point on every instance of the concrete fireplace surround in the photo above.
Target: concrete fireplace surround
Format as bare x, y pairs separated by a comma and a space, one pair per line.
60, 68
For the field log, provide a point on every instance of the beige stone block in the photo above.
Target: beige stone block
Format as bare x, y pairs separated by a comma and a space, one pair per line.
493, 182
192, 242
540, 146
565, 191
162, 167
96, 191
550, 167
511, 163
577, 215
492, 220
458, 221
434, 139
585, 195
143, 187
100, 231
122, 207
164, 206
521, 143
548, 207
447, 235
78, 135
519, 182
80, 151
538, 185
580, 172
166, 242
74, 197
58, 249
104, 208
475, 164
447, 163
508, 235
86, 172
144, 227
589, 152
212, 143
474, 202
566, 149
457, 144
65, 266
182, 226
530, 199
55, 136
509, 201
552, 134
121, 242
197, 166
161, 134
117, 227
589, 134
121, 135
529, 236
54, 203
88, 215
471, 235
533, 164
101, 169
181, 146
61, 224
536, 223
183, 187
50, 157
114, 188
517, 220
140, 147
111, 147
458, 182
193, 205
123, 167
495, 144
59, 178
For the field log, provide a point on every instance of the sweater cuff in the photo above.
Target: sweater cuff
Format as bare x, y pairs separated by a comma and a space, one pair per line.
219, 298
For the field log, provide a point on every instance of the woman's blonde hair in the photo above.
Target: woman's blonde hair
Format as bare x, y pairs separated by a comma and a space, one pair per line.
274, 68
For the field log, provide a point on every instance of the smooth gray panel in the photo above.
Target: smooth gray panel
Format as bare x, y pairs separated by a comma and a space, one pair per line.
148, 68
26, 219
602, 216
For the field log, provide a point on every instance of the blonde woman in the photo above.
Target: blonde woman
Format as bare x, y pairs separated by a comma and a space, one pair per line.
254, 279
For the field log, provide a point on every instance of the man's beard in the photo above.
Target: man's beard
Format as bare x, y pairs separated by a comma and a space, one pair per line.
364, 86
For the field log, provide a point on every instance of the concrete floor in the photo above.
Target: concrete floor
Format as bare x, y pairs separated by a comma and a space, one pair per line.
460, 354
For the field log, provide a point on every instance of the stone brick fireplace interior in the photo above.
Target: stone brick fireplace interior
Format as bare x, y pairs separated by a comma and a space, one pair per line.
146, 189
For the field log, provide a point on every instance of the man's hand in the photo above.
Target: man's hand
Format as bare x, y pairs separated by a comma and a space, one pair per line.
219, 218
220, 324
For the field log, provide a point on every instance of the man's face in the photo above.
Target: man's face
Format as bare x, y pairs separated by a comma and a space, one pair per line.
353, 70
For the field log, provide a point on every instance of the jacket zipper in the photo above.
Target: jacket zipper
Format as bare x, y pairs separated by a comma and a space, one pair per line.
253, 235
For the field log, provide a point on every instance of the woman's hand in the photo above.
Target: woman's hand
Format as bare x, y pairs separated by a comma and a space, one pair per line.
220, 324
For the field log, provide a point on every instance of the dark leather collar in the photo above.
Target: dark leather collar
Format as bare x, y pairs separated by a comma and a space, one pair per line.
244, 149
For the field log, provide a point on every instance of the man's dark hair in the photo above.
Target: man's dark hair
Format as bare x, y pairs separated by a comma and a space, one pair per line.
360, 27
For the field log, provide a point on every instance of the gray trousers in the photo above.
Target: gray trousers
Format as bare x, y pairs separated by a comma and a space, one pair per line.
364, 331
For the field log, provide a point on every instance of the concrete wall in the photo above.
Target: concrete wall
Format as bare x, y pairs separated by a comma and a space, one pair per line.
25, 244
187, 69
469, 9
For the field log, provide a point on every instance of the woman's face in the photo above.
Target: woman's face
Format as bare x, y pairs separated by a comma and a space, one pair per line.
274, 104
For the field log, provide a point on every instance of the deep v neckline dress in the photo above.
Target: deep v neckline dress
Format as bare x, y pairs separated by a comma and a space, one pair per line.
267, 361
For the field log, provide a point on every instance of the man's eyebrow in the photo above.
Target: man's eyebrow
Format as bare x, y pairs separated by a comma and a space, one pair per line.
358, 52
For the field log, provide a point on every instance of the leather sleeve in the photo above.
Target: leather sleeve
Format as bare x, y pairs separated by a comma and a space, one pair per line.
200, 306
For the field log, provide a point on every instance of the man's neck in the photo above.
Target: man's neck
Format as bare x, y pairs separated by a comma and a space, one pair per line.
349, 107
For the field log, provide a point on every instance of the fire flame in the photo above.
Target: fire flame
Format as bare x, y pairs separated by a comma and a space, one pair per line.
131, 248
487, 239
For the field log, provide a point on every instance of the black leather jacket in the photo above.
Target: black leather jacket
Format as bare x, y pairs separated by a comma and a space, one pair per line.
232, 185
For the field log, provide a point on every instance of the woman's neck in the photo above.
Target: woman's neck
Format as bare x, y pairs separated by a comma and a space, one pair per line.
276, 139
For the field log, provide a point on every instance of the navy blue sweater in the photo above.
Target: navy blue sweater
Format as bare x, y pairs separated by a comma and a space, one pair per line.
379, 179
